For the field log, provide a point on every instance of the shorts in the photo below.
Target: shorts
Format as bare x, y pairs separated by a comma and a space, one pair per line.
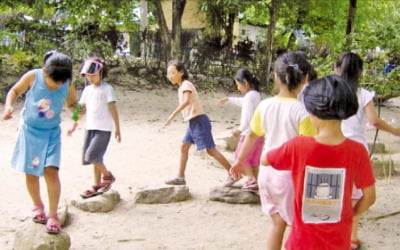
276, 192
199, 133
253, 157
95, 146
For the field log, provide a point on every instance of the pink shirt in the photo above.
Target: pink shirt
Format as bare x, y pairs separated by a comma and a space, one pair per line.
194, 108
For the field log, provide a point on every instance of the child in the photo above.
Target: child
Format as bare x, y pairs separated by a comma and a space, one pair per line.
350, 67
199, 130
247, 84
278, 119
99, 103
324, 169
38, 148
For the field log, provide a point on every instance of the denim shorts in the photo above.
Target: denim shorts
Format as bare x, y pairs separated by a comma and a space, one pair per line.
96, 142
199, 133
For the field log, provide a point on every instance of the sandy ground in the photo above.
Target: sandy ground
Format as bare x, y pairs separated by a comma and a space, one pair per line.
145, 158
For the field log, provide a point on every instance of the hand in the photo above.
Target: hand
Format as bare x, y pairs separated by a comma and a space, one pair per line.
223, 100
117, 136
169, 120
236, 170
70, 131
8, 111
264, 160
236, 133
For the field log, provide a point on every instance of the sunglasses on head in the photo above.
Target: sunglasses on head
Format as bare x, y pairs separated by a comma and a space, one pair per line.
90, 67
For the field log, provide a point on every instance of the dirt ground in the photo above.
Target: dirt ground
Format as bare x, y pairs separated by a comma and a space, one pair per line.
146, 157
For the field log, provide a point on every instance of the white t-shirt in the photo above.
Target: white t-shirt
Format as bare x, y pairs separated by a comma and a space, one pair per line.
248, 103
354, 126
96, 100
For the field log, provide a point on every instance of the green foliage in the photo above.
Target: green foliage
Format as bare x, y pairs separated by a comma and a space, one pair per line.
21, 61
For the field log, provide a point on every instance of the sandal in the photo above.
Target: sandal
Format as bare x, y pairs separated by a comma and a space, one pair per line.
91, 192
355, 244
176, 181
38, 215
105, 186
230, 181
53, 225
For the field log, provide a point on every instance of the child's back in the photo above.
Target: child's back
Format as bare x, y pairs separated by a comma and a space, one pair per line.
324, 169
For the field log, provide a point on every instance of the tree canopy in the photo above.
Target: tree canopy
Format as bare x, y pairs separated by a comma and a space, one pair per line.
322, 28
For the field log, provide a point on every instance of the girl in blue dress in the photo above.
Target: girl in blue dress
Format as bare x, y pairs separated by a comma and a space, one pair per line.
38, 148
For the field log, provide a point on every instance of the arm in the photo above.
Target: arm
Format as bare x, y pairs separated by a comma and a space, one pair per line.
71, 98
22, 85
185, 102
377, 122
222, 100
114, 113
71, 130
368, 198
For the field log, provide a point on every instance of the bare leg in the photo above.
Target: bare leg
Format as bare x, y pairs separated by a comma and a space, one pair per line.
53, 188
354, 228
251, 172
219, 157
99, 171
276, 232
33, 186
184, 158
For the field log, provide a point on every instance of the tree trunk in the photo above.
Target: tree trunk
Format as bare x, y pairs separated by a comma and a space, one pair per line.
229, 29
143, 28
178, 6
162, 25
351, 21
274, 9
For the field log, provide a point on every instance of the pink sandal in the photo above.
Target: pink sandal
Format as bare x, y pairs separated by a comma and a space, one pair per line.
53, 226
38, 215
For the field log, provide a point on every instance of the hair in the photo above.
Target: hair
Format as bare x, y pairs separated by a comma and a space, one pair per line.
104, 70
351, 66
245, 75
312, 74
292, 68
48, 54
58, 67
330, 98
179, 67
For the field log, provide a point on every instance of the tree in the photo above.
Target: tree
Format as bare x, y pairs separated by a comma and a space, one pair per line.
171, 40
178, 6
351, 21
274, 10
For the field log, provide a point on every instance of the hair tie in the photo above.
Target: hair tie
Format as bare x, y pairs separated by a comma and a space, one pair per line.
295, 65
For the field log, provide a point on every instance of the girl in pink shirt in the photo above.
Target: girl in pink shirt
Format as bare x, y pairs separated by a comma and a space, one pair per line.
199, 129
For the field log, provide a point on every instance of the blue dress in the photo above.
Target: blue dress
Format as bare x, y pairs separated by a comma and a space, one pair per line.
39, 134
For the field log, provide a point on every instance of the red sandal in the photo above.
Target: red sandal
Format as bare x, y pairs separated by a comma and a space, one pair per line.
105, 186
38, 215
91, 192
53, 225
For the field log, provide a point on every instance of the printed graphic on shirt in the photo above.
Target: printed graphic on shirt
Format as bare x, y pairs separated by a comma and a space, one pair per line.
44, 110
323, 195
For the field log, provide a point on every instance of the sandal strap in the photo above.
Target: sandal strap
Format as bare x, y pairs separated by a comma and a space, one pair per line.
38, 207
53, 216
110, 177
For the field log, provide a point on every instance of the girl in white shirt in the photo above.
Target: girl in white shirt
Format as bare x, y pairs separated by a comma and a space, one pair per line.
248, 85
350, 67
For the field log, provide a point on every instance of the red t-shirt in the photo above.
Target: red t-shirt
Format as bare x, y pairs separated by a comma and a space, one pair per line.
323, 177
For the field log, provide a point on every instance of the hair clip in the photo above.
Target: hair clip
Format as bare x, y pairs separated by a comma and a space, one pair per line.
295, 65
